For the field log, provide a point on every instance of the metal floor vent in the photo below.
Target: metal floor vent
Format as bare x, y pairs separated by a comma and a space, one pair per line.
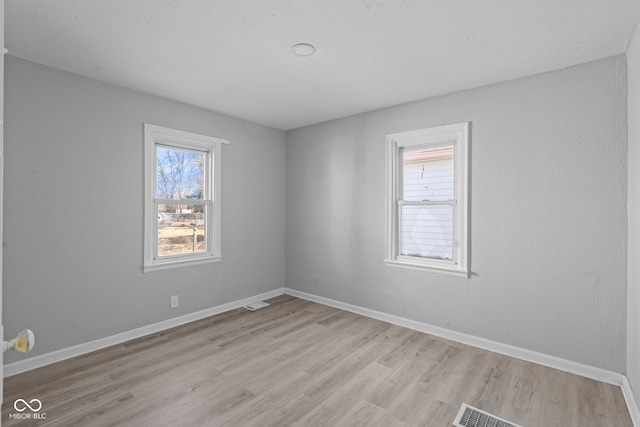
256, 305
469, 416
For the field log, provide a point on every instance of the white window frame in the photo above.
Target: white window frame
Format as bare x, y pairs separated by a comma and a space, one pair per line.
160, 136
458, 136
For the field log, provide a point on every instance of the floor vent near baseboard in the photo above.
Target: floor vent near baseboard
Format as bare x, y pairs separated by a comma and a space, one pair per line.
256, 305
469, 416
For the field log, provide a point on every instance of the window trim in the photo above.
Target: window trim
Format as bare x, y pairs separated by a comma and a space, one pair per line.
458, 135
158, 135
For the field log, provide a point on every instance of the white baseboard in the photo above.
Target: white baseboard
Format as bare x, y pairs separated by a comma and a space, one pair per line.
587, 371
18, 367
632, 403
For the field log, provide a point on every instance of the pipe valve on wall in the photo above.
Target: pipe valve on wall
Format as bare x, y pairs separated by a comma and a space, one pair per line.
23, 342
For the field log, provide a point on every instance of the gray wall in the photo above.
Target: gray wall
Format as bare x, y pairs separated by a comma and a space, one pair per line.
548, 214
548, 202
633, 294
74, 209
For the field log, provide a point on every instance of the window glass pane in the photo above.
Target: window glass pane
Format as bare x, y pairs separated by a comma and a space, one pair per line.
181, 229
427, 231
180, 174
427, 173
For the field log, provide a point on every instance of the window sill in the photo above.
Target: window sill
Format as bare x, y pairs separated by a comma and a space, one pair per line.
176, 263
450, 271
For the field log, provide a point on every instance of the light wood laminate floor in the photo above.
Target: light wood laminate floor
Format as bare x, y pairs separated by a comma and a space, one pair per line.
298, 363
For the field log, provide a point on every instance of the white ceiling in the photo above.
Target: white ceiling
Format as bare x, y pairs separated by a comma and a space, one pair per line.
234, 56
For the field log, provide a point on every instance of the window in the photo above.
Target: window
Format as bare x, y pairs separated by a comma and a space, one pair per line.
427, 192
182, 198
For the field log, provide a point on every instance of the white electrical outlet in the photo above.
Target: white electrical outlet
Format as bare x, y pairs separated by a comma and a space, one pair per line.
174, 301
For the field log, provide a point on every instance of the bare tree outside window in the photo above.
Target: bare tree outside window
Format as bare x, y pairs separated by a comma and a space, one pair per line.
180, 177
180, 174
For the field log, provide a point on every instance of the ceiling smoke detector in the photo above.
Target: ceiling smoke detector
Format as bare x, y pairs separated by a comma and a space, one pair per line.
303, 49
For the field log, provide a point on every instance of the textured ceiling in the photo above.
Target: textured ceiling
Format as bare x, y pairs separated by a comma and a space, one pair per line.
234, 56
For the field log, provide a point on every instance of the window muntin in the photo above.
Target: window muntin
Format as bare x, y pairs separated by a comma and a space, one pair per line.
182, 204
427, 219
